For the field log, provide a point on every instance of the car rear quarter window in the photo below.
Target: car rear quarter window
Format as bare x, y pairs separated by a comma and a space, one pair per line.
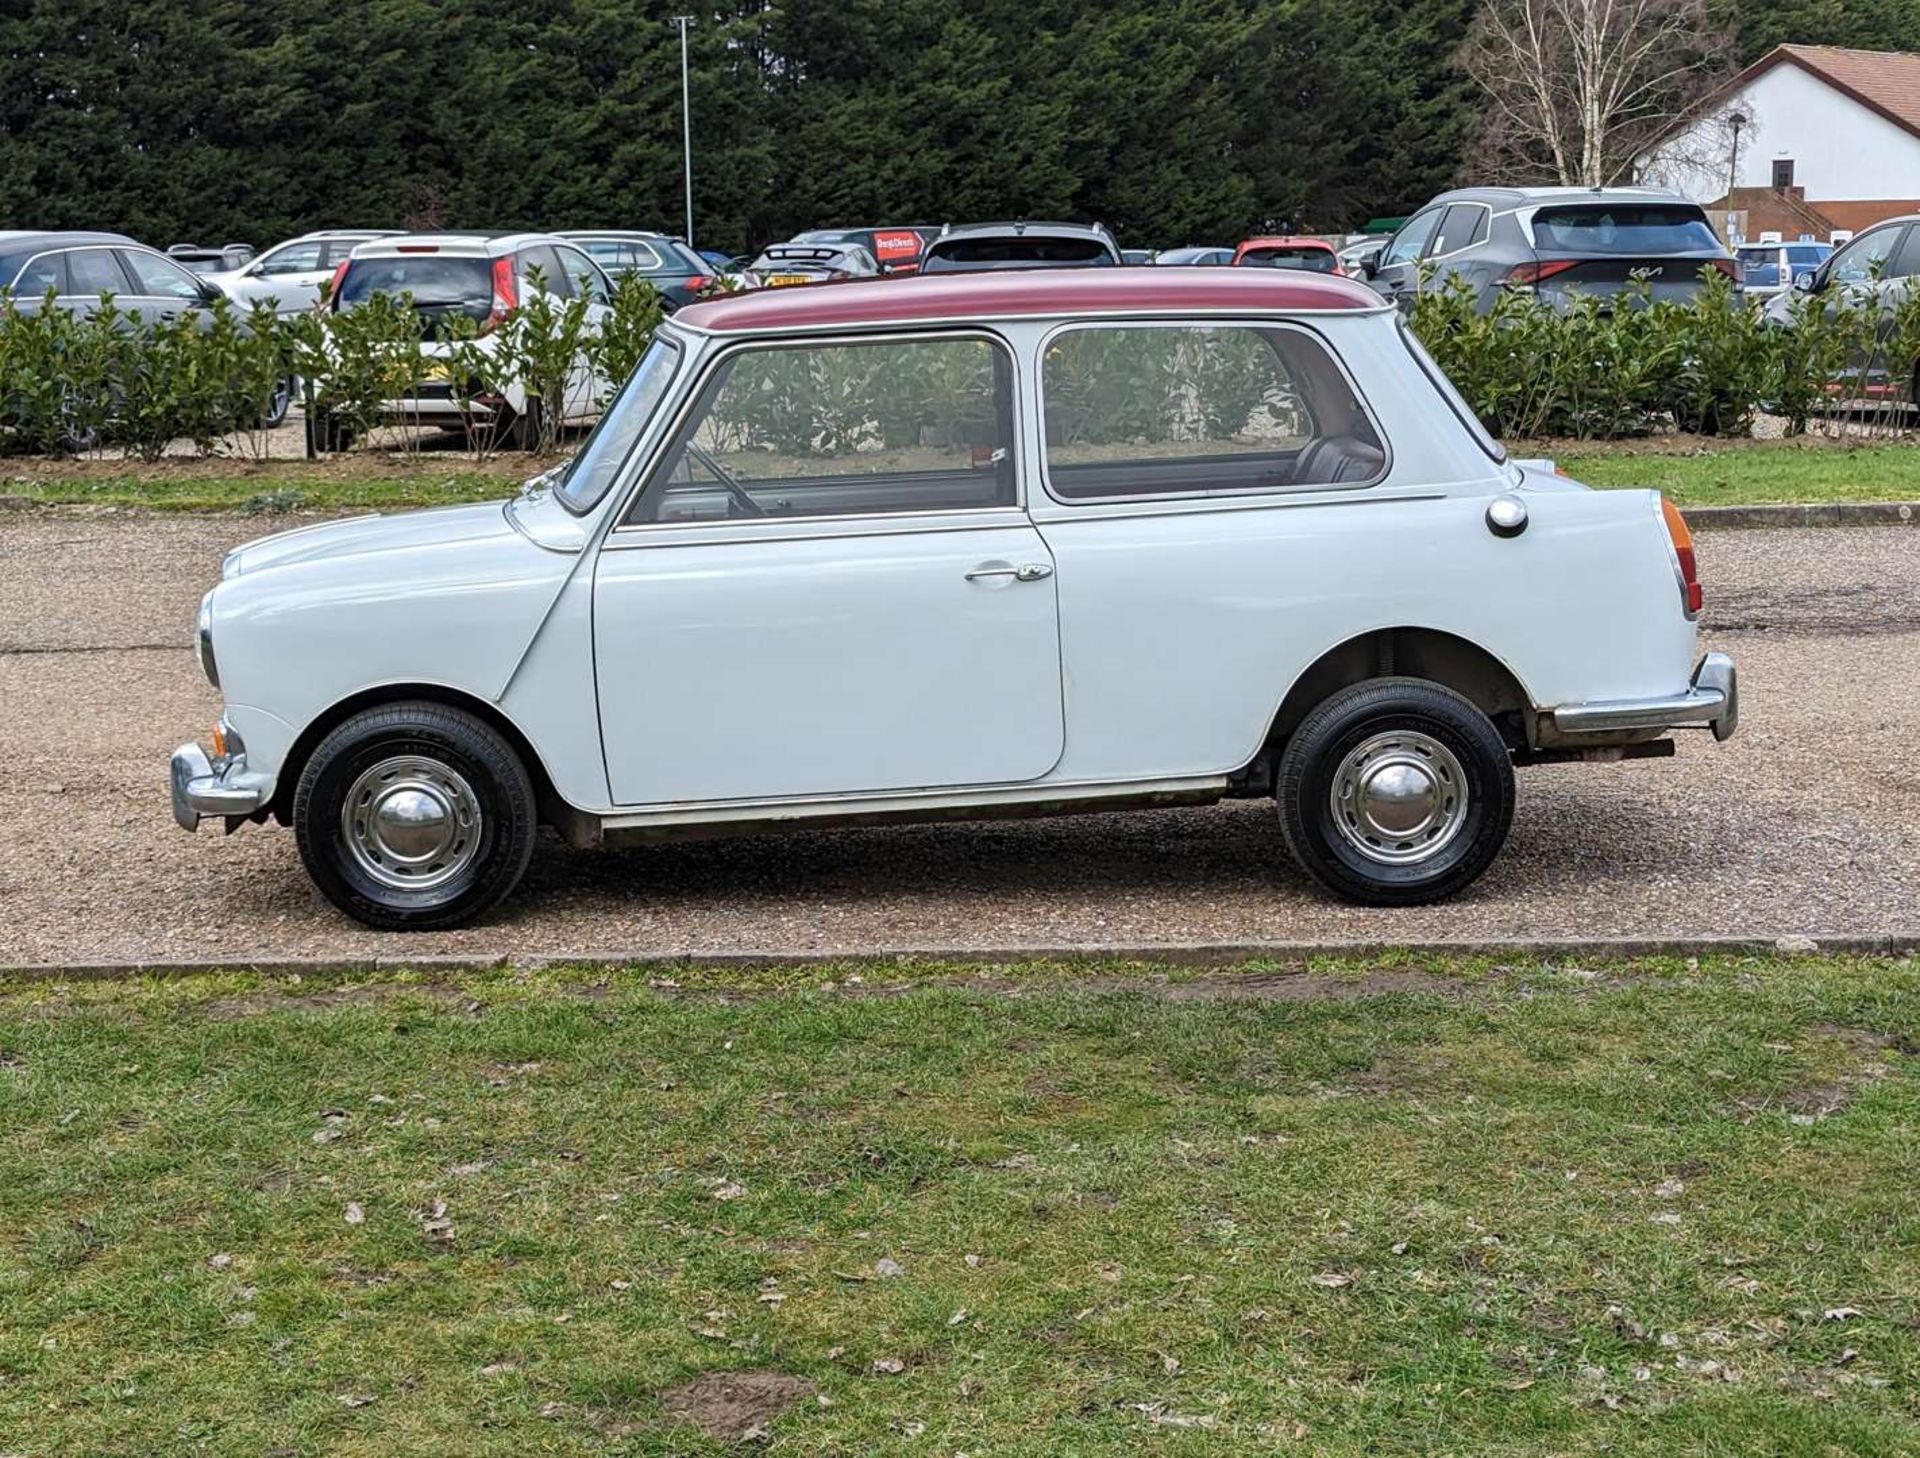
30, 277
1628, 229
843, 428
1142, 411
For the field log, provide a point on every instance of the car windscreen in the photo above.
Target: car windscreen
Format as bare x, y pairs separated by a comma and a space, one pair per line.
1015, 251
439, 283
1628, 229
1314, 260
594, 469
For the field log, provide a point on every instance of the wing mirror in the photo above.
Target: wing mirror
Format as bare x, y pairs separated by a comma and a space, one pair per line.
1368, 266
1806, 283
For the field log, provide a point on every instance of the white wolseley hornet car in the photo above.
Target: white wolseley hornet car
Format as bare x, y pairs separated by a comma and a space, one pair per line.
983, 545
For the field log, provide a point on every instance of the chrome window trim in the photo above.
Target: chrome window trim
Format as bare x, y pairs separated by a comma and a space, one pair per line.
1203, 321
682, 349
813, 528
715, 359
1465, 247
78, 248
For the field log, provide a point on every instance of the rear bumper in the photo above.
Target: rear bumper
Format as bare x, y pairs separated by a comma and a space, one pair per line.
1711, 701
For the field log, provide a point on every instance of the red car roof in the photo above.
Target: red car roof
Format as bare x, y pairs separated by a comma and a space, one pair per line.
1287, 240
1035, 292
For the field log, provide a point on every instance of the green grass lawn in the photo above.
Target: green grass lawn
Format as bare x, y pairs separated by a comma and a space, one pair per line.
1648, 1209
1694, 474
1758, 472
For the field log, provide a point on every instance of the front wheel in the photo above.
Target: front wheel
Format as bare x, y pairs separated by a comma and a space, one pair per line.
414, 817
1394, 792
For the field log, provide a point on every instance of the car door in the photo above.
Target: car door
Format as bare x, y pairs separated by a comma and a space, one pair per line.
288, 277
1866, 274
586, 388
1397, 276
162, 289
91, 272
828, 587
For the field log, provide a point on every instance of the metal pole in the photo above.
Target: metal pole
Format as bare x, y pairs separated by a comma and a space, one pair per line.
686, 122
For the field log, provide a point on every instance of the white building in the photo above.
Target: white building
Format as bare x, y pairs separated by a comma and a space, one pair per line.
1814, 139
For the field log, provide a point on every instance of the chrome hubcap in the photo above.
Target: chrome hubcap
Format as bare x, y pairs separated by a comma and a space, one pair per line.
1399, 798
411, 823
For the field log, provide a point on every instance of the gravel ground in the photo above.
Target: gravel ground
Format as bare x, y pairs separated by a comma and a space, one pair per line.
1803, 824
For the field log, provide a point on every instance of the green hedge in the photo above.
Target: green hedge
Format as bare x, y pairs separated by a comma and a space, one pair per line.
73, 382
1707, 366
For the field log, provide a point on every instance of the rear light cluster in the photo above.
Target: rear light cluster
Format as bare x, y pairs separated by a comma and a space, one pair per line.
1681, 536
506, 293
1526, 275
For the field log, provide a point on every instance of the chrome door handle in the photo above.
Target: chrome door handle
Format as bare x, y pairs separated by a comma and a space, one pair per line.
1026, 572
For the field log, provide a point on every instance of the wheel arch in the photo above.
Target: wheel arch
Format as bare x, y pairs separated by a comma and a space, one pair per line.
1408, 652
553, 810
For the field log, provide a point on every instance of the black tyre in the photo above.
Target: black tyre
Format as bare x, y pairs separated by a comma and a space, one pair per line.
327, 434
414, 816
1395, 791
278, 405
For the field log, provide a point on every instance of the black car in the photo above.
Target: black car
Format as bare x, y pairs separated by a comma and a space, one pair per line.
782, 264
980, 247
1559, 242
680, 274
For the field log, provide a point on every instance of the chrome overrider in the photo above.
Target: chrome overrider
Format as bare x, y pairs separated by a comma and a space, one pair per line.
1711, 701
205, 787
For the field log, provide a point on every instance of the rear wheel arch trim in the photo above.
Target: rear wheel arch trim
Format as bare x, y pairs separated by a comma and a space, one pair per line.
1471, 670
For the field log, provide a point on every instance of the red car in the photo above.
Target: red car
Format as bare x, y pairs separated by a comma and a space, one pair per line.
1310, 254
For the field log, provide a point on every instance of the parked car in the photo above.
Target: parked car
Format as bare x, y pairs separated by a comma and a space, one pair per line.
681, 274
1879, 267
1767, 269
1356, 257
209, 261
1312, 255
982, 246
78, 268
752, 603
896, 249
784, 264
1136, 257
1559, 242
289, 275
481, 277
1193, 257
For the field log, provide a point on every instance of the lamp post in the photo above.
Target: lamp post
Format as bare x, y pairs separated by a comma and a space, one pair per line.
681, 22
1735, 122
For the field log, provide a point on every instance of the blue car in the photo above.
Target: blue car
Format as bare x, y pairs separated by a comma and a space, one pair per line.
1771, 268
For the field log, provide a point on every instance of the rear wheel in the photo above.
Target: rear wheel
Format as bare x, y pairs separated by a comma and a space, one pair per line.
414, 816
1394, 792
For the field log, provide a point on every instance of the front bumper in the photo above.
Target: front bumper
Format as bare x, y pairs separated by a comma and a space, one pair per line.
1712, 701
203, 788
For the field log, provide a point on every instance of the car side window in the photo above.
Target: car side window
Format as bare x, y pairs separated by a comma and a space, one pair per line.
294, 258
1905, 260
553, 278
1866, 258
48, 271
1462, 226
582, 275
1139, 411
154, 277
843, 429
93, 271
1411, 241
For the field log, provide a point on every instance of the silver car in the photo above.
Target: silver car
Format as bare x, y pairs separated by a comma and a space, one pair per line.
290, 274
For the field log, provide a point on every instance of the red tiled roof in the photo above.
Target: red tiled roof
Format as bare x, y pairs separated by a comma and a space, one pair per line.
1039, 292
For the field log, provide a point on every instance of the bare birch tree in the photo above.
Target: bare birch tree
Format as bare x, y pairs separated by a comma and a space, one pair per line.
1576, 90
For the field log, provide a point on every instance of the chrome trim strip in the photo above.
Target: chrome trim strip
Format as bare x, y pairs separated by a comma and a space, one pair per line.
723, 812
1712, 700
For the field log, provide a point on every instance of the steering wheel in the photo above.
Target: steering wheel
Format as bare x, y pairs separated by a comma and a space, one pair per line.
735, 491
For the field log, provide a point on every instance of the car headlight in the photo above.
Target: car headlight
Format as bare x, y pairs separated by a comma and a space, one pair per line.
203, 641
